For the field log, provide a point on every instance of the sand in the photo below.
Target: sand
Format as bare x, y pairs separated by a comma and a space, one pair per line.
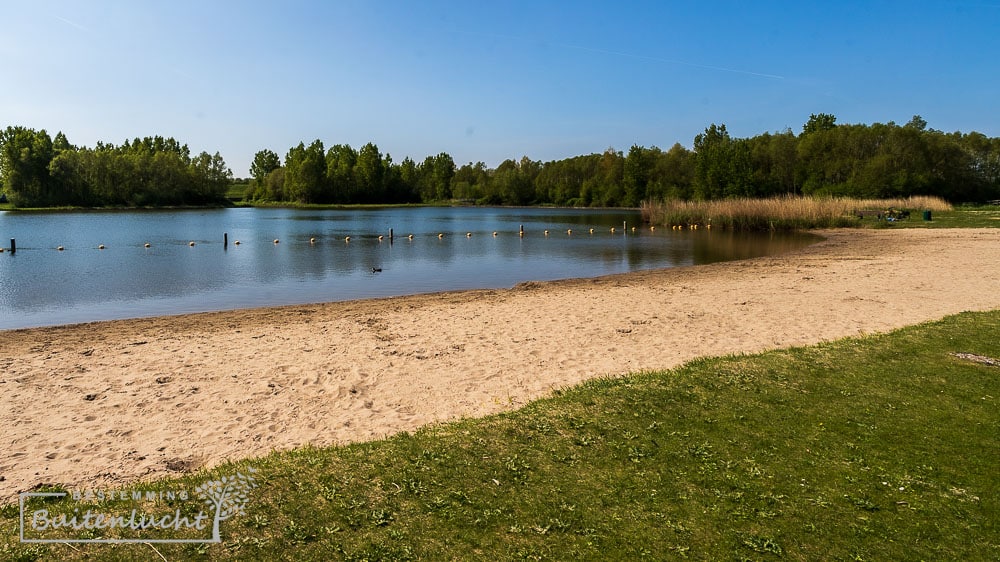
107, 403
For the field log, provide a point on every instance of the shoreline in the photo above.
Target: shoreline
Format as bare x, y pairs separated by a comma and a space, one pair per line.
111, 402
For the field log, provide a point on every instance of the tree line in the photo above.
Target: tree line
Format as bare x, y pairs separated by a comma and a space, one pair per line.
37, 170
874, 161
877, 161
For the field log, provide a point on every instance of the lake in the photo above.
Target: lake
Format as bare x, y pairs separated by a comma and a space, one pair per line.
40, 285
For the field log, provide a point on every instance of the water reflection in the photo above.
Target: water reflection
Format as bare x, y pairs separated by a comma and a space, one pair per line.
40, 285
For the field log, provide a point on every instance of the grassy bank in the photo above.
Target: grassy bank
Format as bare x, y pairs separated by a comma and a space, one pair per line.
781, 213
873, 448
963, 216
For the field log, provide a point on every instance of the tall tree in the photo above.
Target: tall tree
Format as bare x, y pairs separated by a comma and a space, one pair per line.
305, 172
672, 174
25, 155
713, 150
409, 178
635, 175
369, 170
469, 181
917, 123
340, 162
264, 162
443, 172
212, 177
819, 122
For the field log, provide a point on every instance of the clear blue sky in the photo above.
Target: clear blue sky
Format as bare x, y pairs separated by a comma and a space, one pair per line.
488, 80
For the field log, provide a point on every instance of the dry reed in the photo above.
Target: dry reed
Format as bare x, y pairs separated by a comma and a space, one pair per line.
779, 213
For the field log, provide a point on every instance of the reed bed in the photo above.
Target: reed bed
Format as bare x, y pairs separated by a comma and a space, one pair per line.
779, 213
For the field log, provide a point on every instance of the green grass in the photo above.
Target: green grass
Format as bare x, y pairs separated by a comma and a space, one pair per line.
987, 216
237, 190
882, 447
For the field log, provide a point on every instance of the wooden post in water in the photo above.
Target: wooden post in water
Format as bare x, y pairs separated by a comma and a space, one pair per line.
625, 227
225, 240
13, 246
390, 236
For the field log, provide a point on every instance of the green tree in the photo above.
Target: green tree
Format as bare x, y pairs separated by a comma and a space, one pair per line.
469, 181
61, 144
274, 186
369, 172
305, 172
636, 171
434, 177
673, 173
713, 150
783, 151
341, 160
917, 123
562, 181
443, 172
509, 185
264, 162
409, 180
68, 170
606, 190
819, 122
211, 177
25, 155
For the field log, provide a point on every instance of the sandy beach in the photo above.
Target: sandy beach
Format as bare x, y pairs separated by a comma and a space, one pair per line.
106, 403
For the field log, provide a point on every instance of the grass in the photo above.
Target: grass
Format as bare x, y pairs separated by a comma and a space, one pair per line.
963, 216
781, 213
881, 447
237, 190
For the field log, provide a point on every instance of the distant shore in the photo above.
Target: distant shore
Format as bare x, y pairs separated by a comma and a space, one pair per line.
293, 205
104, 403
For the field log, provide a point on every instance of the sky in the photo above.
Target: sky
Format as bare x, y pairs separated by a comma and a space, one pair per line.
488, 81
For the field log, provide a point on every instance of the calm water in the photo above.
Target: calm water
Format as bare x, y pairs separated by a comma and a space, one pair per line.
40, 285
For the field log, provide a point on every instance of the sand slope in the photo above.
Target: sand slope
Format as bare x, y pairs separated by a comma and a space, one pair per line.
104, 403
